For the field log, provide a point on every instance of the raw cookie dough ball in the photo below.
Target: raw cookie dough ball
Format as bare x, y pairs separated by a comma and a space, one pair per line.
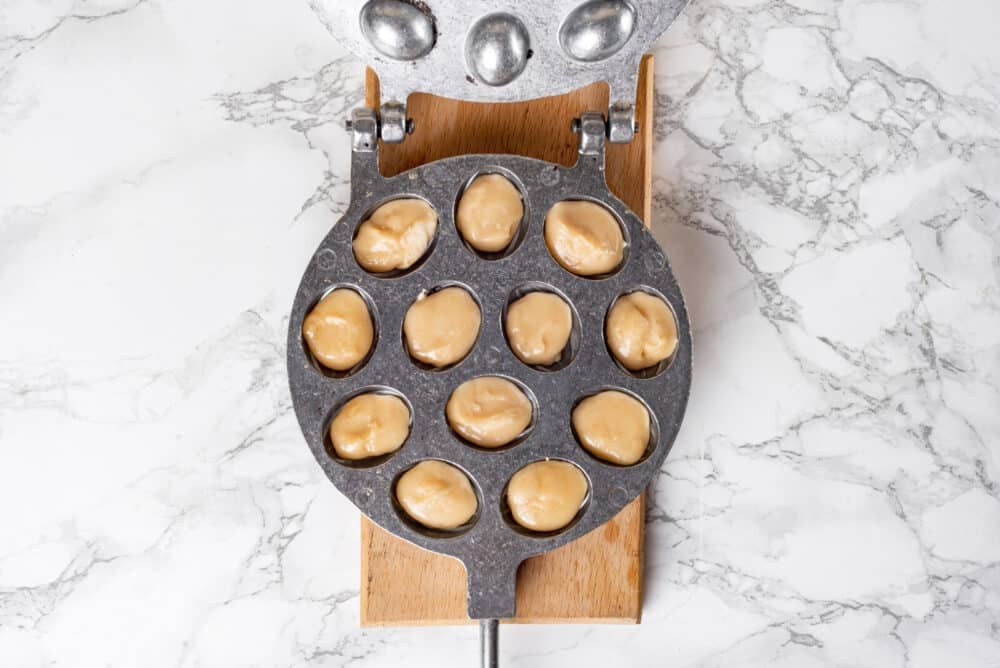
442, 327
546, 496
584, 237
641, 331
538, 327
489, 411
338, 330
396, 235
370, 425
612, 426
437, 495
489, 212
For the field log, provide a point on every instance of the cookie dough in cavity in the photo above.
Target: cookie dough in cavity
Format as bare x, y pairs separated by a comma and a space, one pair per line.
584, 237
546, 496
370, 425
442, 327
395, 236
612, 426
437, 495
641, 331
489, 212
338, 331
538, 327
489, 411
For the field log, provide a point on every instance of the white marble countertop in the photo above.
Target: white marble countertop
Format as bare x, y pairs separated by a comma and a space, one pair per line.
828, 190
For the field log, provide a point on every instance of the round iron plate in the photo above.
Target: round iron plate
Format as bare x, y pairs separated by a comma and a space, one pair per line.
492, 547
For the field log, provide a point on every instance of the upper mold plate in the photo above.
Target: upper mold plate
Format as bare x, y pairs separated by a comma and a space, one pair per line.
444, 47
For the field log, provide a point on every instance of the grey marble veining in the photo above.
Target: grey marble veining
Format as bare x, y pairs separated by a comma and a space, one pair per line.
827, 184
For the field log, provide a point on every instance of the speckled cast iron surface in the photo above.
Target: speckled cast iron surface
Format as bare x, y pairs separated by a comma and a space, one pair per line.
491, 546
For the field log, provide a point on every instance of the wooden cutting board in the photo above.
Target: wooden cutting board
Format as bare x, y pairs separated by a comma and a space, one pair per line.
596, 578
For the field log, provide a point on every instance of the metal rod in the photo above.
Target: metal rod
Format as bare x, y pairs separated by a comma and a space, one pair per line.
489, 642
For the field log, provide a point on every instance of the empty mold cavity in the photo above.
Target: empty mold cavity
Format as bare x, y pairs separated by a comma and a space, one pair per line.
397, 29
597, 30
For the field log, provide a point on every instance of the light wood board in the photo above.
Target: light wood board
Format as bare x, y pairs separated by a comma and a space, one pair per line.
596, 578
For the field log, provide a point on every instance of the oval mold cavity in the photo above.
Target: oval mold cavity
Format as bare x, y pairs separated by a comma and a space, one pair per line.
496, 50
597, 30
397, 29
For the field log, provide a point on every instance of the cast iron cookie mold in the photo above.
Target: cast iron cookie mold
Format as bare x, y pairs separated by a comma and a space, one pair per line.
482, 50
491, 546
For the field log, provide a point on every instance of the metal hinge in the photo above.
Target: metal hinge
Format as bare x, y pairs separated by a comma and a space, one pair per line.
390, 123
593, 128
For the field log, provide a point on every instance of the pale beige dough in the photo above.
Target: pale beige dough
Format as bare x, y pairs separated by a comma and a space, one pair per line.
584, 237
396, 235
641, 331
546, 495
538, 327
612, 426
437, 495
442, 327
489, 212
370, 425
489, 411
338, 330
